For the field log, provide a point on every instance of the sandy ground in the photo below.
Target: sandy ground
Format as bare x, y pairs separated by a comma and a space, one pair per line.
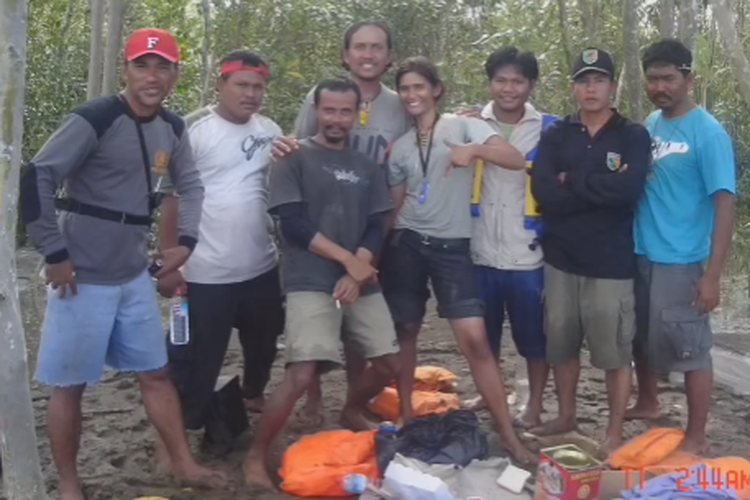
731, 321
116, 451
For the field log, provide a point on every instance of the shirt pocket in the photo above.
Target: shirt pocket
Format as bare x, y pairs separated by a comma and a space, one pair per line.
516, 239
686, 332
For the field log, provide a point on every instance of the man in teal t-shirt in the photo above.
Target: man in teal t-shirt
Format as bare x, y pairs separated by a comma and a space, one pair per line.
685, 217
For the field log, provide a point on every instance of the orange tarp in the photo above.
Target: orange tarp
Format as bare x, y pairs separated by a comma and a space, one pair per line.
655, 453
434, 378
315, 465
387, 404
649, 448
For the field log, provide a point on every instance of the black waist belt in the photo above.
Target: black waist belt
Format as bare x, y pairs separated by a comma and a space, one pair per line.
441, 242
76, 207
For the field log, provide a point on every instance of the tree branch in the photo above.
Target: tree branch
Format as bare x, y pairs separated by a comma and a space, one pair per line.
23, 474
733, 47
115, 22
94, 86
632, 67
205, 57
667, 18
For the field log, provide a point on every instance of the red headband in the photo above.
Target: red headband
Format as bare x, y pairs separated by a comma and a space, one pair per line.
230, 67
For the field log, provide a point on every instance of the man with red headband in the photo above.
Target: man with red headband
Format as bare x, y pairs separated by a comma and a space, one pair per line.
102, 307
232, 277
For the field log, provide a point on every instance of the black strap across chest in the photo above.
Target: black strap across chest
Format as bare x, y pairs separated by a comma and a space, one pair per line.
75, 206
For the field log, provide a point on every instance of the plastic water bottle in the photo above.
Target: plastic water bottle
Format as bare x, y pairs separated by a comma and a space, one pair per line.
387, 428
356, 484
179, 324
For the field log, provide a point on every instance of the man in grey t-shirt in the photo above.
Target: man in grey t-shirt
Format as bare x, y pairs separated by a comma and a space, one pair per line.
332, 203
382, 120
102, 306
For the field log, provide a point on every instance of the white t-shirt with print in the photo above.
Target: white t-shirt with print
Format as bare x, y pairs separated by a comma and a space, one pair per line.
234, 242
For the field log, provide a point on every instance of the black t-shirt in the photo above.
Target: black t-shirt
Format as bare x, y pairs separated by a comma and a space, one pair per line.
339, 189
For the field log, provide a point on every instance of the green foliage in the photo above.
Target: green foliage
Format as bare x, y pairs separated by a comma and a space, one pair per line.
302, 41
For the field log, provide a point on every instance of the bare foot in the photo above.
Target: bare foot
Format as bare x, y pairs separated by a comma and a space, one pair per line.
354, 420
474, 404
642, 412
528, 419
255, 405
693, 446
312, 410
308, 417
611, 444
559, 425
202, 477
256, 474
163, 461
71, 490
522, 454
402, 421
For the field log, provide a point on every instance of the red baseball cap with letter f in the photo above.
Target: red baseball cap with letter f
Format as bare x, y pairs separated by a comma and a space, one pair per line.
152, 41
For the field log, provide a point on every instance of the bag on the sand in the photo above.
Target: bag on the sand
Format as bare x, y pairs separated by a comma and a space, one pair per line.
649, 448
453, 438
315, 465
227, 416
387, 404
433, 378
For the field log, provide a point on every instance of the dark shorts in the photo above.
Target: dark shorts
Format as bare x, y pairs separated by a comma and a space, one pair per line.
674, 335
411, 259
520, 294
256, 309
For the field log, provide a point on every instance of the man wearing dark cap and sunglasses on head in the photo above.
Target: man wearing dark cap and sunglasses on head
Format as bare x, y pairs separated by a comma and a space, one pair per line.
102, 307
587, 178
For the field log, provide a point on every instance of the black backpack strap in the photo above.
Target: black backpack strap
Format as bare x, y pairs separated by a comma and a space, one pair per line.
144, 153
75, 206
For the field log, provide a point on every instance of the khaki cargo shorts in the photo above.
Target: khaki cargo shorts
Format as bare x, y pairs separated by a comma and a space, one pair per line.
314, 325
601, 311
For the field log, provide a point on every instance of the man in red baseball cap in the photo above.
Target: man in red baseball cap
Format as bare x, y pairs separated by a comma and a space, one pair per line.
152, 41
102, 309
150, 70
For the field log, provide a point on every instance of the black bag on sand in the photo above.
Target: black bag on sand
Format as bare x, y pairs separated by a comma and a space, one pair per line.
451, 438
227, 417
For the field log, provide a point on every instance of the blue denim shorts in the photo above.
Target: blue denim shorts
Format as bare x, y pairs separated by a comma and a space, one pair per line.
119, 326
520, 294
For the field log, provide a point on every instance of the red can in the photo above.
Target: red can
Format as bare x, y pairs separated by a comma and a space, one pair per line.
567, 472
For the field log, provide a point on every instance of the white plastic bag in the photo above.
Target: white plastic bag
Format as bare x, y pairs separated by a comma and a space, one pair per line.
410, 484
